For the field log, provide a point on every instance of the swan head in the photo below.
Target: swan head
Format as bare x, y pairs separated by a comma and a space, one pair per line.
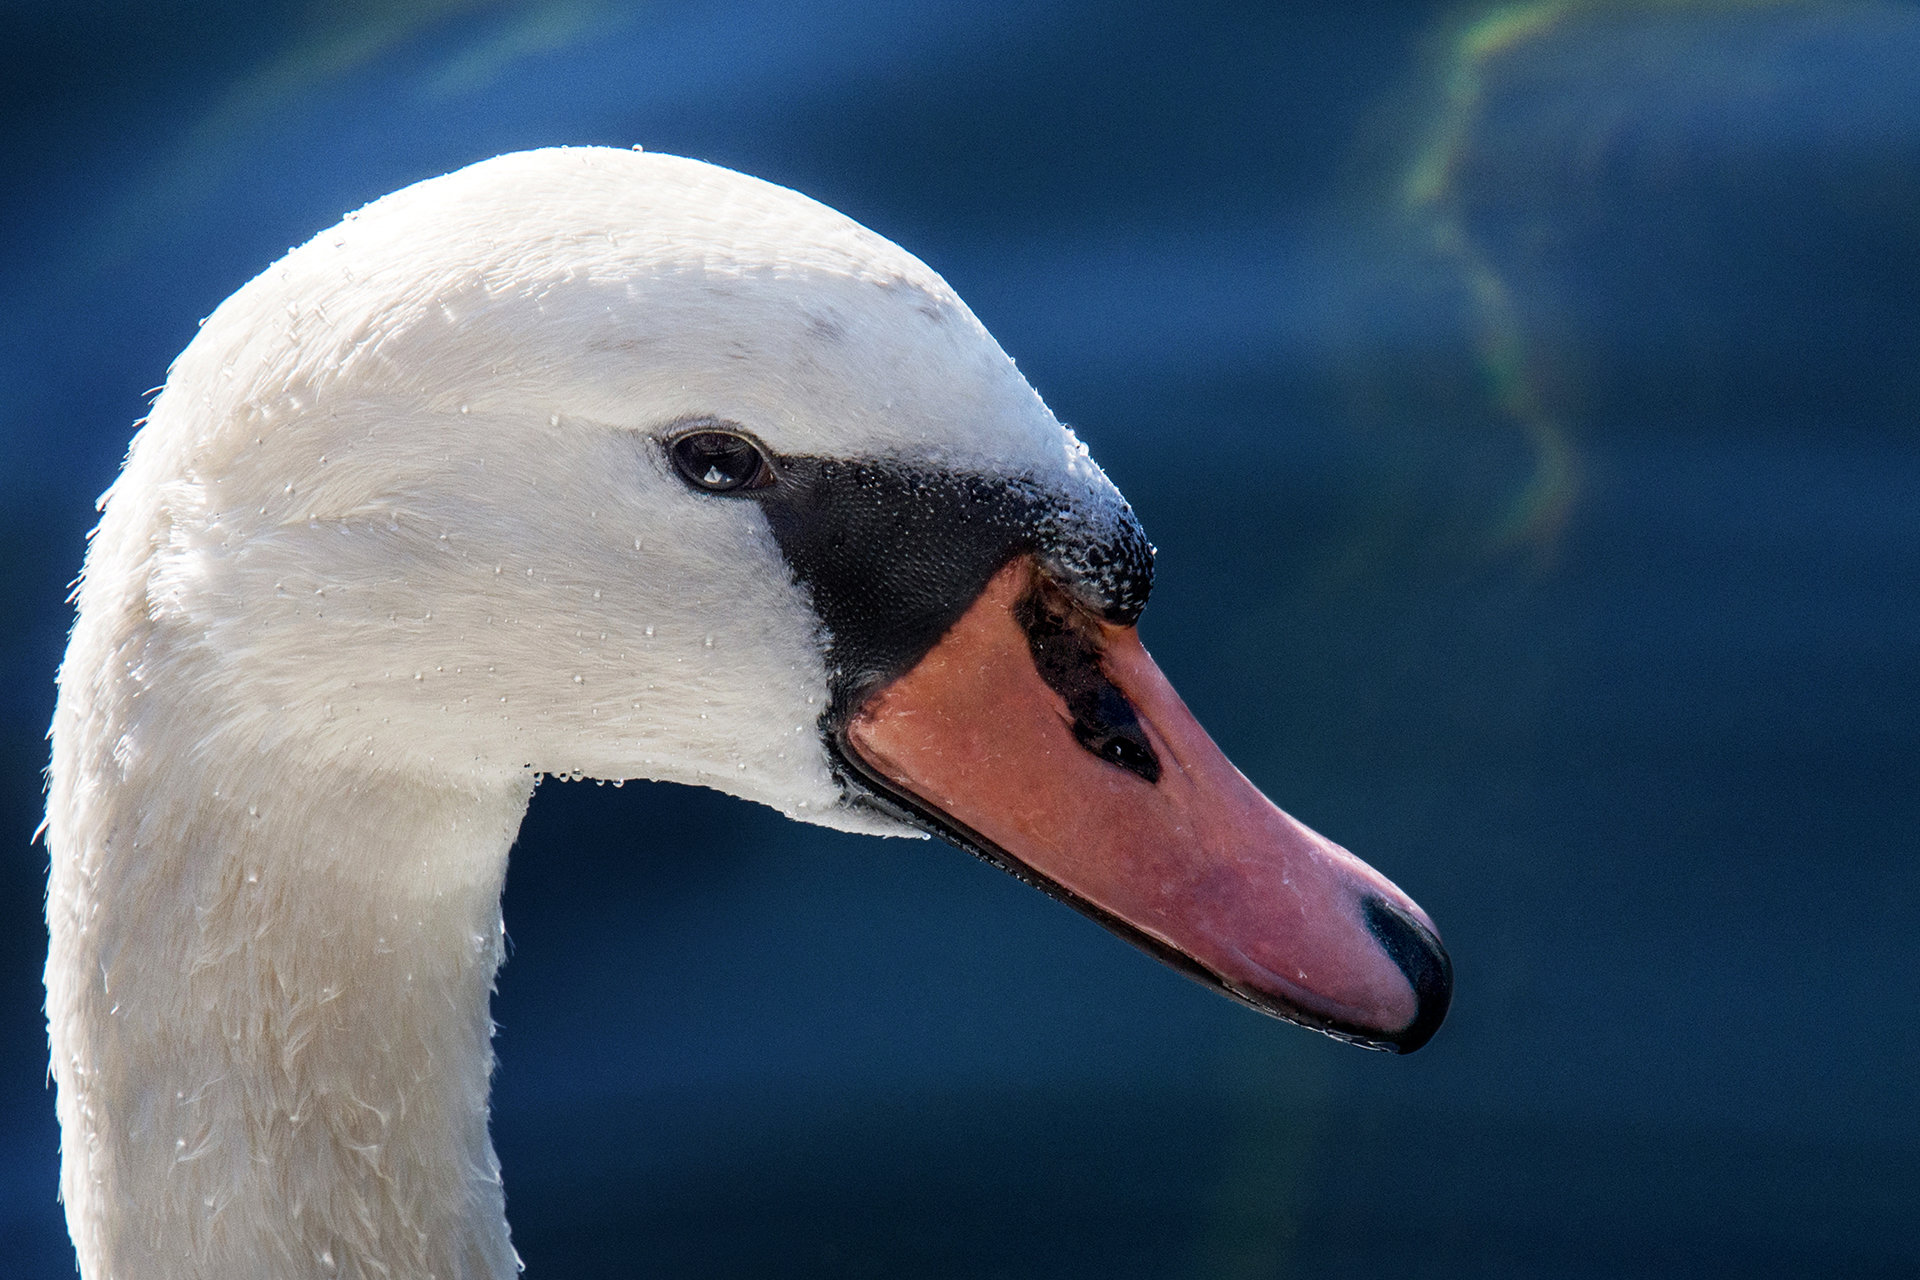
611, 464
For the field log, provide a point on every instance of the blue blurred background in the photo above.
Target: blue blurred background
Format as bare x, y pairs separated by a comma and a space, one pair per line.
1523, 400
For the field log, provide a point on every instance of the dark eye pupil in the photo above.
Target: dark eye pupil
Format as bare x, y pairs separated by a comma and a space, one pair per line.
719, 462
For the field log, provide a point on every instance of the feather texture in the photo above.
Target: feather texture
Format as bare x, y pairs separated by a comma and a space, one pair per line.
399, 537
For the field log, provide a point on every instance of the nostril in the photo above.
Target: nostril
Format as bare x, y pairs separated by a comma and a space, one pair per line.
1125, 746
1425, 963
1066, 651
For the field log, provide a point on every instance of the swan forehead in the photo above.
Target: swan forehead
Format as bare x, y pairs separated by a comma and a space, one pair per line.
634, 290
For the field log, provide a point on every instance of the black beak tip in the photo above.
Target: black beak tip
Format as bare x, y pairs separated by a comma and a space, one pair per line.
1425, 963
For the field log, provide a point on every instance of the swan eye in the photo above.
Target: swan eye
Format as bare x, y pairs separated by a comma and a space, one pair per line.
720, 462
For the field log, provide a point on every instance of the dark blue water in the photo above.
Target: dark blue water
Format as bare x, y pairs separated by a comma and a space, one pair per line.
1527, 410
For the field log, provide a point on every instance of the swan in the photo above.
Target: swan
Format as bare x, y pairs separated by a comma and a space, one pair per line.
594, 463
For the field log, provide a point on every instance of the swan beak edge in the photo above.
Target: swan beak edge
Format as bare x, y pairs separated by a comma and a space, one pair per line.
1195, 866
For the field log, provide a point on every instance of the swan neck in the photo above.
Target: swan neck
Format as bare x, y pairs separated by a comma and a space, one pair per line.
267, 999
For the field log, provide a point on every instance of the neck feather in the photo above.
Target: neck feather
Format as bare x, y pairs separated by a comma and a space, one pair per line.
267, 999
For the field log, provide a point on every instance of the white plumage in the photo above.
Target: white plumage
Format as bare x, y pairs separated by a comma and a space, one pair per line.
398, 538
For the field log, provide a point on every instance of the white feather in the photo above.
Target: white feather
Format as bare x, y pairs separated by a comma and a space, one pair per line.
398, 538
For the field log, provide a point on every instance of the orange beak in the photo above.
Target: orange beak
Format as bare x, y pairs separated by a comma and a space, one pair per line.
1186, 859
